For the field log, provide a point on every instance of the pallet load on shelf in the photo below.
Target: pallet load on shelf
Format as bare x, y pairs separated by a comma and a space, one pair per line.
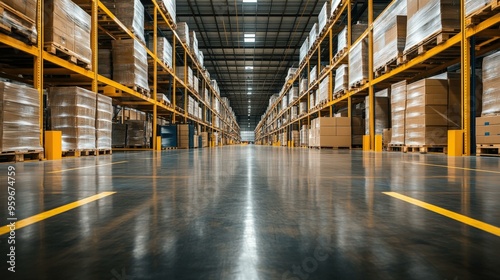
382, 112
341, 79
180, 71
204, 139
341, 41
334, 6
19, 16
73, 111
67, 31
185, 136
426, 113
194, 43
196, 84
474, 5
283, 139
19, 118
293, 113
183, 32
303, 86
330, 132
323, 16
105, 63
313, 35
304, 49
103, 122
312, 99
170, 7
389, 35
356, 31
454, 111
162, 98
313, 75
304, 136
358, 64
130, 13
137, 134
295, 138
119, 135
488, 125
201, 58
130, 64
190, 105
163, 50
290, 74
398, 113
324, 87
293, 95
429, 18
303, 108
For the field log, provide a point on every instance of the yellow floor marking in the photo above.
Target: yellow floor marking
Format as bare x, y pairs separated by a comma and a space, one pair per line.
447, 213
63, 170
454, 167
47, 214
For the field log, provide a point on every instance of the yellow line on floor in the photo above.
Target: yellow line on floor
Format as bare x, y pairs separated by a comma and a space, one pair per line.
447, 213
56, 211
63, 170
454, 167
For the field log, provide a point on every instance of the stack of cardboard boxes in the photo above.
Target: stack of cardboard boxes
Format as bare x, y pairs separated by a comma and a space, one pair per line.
330, 132
130, 63
103, 122
398, 113
488, 125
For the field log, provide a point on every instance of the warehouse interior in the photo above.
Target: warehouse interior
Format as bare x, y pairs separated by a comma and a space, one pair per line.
250, 139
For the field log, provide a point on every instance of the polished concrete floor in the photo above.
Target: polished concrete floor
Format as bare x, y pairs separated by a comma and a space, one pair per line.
250, 212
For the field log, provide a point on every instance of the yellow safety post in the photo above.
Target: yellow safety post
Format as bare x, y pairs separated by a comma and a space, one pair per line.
53, 145
158, 143
378, 143
455, 143
366, 142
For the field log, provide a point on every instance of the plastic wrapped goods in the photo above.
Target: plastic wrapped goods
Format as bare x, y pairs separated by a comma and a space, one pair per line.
293, 95
342, 40
137, 133
491, 84
341, 78
105, 63
429, 18
313, 75
170, 7
183, 32
303, 86
119, 135
357, 30
323, 90
67, 28
313, 35
194, 42
201, 58
303, 108
163, 49
474, 5
73, 111
335, 5
103, 122
358, 63
180, 71
11, 20
130, 13
19, 118
389, 34
426, 119
130, 63
323, 16
398, 113
382, 114
294, 113
304, 135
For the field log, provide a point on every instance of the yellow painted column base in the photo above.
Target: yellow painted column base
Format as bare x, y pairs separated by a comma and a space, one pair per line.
378, 143
158, 143
366, 142
455, 143
53, 145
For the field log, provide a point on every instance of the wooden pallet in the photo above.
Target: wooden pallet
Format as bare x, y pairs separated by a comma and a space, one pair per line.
389, 66
113, 92
483, 13
16, 24
358, 84
488, 150
170, 19
339, 55
80, 153
65, 53
395, 147
330, 148
339, 94
20, 156
430, 42
169, 148
424, 149
104, 152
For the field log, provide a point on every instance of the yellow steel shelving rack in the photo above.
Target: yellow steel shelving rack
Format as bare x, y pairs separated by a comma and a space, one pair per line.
478, 35
126, 96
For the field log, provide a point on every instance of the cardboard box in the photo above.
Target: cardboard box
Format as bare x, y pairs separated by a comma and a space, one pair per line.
490, 130
343, 131
488, 120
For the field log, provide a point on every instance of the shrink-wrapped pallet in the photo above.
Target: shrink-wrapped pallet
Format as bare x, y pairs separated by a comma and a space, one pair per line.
389, 34
323, 16
193, 42
284, 102
19, 118
341, 79
130, 13
313, 35
426, 113
12, 20
163, 50
313, 75
181, 71
196, 84
474, 5
358, 63
293, 95
105, 63
67, 29
304, 135
130, 63
169, 7
294, 112
73, 111
119, 135
336, 4
398, 113
201, 58
303, 85
303, 107
324, 87
382, 113
342, 40
137, 133
312, 99
290, 74
430, 17
304, 49
183, 32
103, 122
491, 84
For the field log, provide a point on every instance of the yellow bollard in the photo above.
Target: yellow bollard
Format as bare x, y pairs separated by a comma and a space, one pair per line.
378, 143
366, 142
158, 143
53, 145
455, 143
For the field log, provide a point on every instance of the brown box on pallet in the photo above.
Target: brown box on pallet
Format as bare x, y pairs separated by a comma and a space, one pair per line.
26, 7
343, 131
489, 130
427, 136
488, 140
488, 120
386, 136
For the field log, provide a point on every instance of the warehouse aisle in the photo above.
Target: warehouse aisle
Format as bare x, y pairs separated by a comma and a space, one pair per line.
250, 212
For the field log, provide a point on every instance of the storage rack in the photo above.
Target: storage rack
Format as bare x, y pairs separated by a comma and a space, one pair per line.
34, 65
478, 35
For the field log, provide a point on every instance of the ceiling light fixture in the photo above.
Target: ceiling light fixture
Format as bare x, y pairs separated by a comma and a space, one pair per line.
249, 37
249, 93
249, 1
248, 67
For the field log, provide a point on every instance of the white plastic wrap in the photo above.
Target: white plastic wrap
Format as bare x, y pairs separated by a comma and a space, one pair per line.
429, 19
103, 122
196, 84
130, 63
312, 99
293, 95
180, 72
342, 40
398, 113
194, 42
473, 5
11, 20
290, 74
73, 111
357, 30
164, 50
130, 13
284, 102
303, 108
183, 32
313, 75
323, 90
341, 78
137, 133
67, 28
304, 50
389, 34
19, 118
304, 136
358, 63
334, 6
201, 58
303, 86
294, 113
382, 114
323, 16
313, 35
491, 84
170, 7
